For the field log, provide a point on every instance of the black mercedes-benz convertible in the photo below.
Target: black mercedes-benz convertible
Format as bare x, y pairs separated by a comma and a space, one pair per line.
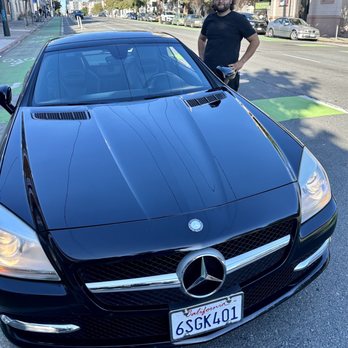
142, 201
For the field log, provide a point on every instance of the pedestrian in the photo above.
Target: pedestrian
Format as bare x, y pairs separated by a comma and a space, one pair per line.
220, 39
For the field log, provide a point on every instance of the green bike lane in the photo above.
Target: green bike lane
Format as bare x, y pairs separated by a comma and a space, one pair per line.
16, 63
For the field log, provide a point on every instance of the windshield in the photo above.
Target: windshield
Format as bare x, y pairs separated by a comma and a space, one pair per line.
251, 16
116, 73
298, 21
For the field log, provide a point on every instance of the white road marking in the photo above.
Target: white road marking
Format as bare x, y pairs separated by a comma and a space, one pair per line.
244, 81
311, 60
18, 61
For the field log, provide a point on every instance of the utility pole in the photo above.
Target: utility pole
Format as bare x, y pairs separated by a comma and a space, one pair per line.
284, 7
4, 19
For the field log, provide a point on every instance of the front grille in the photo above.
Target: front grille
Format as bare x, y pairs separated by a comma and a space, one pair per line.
162, 298
164, 263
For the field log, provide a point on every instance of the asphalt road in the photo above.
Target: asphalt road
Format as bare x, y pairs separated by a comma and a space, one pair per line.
317, 316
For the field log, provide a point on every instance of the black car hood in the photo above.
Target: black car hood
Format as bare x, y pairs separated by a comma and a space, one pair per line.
146, 160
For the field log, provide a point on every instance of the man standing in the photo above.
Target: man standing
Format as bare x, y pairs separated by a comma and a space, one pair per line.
221, 36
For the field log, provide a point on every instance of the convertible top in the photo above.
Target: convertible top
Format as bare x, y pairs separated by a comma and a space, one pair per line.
101, 38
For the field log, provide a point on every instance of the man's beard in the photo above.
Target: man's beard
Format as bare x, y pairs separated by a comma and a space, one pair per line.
221, 9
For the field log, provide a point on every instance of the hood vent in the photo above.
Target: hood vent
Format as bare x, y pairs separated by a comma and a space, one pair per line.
75, 115
205, 100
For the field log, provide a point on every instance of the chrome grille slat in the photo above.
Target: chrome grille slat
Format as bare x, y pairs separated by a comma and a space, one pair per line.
166, 281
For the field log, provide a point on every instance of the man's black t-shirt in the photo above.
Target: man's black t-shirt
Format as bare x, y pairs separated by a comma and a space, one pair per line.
224, 34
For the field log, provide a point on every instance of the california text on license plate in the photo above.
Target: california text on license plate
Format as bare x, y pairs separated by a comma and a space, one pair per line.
193, 321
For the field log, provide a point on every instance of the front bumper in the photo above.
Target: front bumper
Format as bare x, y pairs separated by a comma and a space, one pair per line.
307, 36
52, 305
260, 30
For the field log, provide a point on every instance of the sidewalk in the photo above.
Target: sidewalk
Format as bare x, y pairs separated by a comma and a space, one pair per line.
19, 31
339, 40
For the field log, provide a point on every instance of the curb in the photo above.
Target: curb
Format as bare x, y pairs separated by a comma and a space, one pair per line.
343, 41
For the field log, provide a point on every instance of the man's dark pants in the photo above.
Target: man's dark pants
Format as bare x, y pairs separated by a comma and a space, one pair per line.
234, 84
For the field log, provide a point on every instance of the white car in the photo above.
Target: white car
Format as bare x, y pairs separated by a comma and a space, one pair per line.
293, 28
167, 17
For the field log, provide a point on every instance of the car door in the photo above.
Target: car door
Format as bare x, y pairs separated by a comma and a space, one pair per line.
276, 26
285, 28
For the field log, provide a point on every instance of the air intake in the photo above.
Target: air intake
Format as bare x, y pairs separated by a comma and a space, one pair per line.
75, 115
205, 100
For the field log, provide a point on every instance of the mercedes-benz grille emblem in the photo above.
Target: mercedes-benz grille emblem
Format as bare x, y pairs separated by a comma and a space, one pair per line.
202, 273
195, 225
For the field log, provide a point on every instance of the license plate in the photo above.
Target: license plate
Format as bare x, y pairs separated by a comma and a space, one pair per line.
193, 321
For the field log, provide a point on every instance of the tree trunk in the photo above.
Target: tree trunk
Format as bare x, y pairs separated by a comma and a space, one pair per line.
26, 12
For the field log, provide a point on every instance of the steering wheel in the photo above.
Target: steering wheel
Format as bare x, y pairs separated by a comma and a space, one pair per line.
157, 80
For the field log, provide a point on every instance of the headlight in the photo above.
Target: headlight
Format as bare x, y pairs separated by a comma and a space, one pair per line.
21, 254
314, 184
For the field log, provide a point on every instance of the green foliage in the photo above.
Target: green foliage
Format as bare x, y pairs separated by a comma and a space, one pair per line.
85, 10
56, 5
123, 4
110, 4
97, 8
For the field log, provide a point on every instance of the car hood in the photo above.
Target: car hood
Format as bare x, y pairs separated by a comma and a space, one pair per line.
304, 27
147, 159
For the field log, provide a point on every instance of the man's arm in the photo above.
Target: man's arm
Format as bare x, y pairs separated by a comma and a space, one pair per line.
202, 41
254, 43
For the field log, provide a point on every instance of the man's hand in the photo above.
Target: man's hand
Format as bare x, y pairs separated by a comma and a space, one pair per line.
254, 43
237, 66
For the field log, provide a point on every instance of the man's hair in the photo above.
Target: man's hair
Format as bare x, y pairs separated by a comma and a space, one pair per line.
214, 7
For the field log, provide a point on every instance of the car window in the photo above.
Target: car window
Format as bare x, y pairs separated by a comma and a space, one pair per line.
278, 21
251, 16
116, 73
298, 21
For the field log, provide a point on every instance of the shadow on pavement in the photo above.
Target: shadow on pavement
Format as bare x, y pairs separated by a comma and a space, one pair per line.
272, 84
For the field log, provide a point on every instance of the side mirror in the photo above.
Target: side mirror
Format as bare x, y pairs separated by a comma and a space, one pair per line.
6, 98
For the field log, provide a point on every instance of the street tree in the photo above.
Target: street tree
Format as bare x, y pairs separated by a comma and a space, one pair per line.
97, 8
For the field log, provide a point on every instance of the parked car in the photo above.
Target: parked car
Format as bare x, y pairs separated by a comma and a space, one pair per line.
144, 201
293, 28
167, 17
102, 14
193, 21
151, 17
178, 19
132, 15
78, 13
141, 16
260, 25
